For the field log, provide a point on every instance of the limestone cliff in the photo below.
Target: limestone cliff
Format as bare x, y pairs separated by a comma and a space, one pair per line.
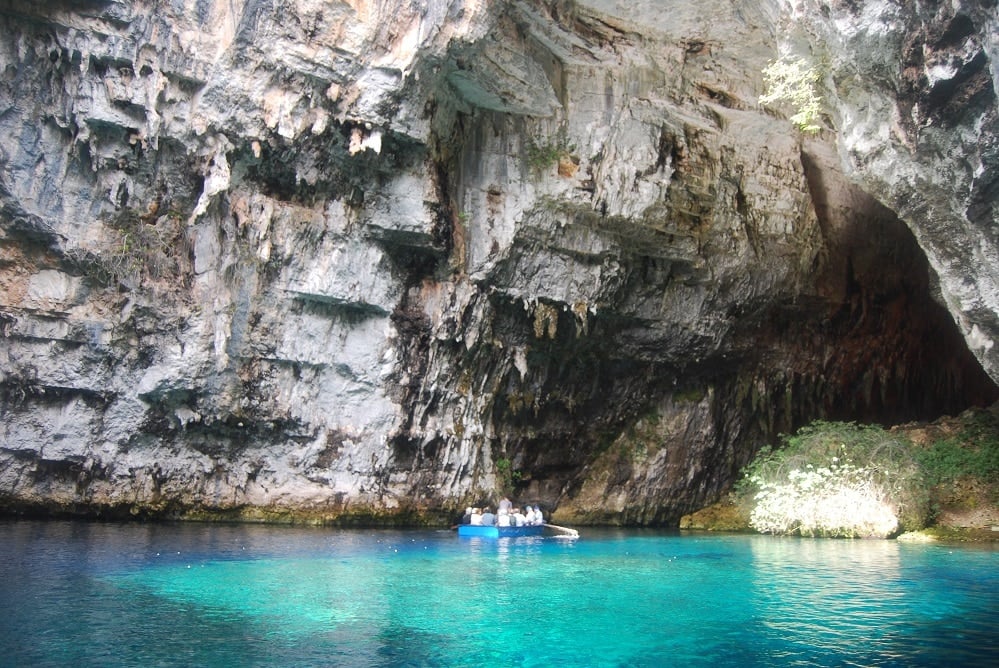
378, 260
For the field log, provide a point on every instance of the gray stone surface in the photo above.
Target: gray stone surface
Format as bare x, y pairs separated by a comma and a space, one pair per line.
376, 261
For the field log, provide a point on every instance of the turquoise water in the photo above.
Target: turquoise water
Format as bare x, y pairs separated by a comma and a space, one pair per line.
81, 594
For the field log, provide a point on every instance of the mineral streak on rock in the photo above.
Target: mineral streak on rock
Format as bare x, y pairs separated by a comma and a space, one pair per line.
373, 261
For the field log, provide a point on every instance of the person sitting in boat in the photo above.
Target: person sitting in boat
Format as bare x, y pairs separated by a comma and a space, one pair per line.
503, 519
476, 517
538, 517
488, 519
519, 519
528, 515
467, 517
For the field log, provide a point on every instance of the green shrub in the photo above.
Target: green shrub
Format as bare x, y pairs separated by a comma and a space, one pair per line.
506, 476
841, 479
947, 460
545, 153
972, 453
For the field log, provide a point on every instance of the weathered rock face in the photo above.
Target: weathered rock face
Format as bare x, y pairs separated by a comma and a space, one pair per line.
381, 260
912, 88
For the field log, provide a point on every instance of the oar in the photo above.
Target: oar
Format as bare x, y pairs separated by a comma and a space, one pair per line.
565, 531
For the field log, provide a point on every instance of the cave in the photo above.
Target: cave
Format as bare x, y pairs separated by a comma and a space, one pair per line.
560, 249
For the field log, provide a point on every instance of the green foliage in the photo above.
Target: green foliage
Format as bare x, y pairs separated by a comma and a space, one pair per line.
947, 460
838, 479
543, 154
795, 83
693, 395
820, 442
972, 453
506, 476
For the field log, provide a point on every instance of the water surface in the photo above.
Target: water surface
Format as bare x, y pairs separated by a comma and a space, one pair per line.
84, 594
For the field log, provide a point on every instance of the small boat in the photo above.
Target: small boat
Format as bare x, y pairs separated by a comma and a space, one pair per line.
493, 531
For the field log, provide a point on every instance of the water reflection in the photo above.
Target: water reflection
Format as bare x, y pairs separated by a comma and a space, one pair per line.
212, 595
824, 600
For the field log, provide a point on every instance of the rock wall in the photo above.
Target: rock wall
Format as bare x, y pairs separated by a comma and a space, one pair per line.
911, 91
373, 262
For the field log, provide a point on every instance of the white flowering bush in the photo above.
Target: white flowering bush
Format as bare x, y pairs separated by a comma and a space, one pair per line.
836, 479
836, 500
